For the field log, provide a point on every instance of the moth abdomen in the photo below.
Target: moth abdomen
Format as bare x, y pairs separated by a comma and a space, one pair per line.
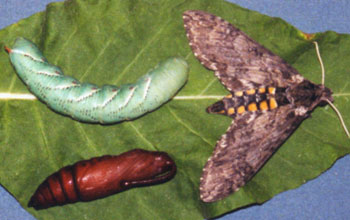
255, 99
88, 102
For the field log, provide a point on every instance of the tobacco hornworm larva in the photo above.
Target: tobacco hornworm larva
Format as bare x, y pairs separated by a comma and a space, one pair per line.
103, 176
87, 102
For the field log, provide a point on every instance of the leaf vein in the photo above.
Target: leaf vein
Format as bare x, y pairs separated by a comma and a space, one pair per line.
6, 110
95, 60
341, 94
208, 86
318, 137
43, 134
90, 143
188, 127
141, 136
141, 51
65, 44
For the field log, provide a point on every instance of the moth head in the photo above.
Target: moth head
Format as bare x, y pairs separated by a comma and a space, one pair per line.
326, 95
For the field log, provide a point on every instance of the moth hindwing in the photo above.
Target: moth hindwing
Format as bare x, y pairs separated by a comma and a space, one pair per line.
268, 100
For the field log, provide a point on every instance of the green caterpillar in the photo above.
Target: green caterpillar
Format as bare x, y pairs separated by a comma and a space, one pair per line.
87, 102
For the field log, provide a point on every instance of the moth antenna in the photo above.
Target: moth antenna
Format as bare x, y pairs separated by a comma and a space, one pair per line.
340, 118
329, 102
320, 60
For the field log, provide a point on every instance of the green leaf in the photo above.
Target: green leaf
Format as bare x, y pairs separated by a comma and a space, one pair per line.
116, 42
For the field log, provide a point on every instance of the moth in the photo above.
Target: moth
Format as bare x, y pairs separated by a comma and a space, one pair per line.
103, 176
87, 102
268, 100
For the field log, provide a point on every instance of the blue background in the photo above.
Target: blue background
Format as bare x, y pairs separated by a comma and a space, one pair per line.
326, 197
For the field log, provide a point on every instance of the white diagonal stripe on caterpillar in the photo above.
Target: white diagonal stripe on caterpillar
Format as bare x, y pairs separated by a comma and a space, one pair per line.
84, 103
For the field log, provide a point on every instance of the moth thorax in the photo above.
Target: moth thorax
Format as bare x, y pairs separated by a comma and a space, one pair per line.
309, 95
251, 100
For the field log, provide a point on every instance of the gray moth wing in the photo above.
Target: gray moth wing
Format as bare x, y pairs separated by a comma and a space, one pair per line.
244, 149
239, 62
268, 101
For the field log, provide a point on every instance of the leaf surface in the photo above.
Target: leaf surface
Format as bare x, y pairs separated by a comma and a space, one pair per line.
116, 42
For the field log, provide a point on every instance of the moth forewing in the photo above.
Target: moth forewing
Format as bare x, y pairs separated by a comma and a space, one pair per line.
268, 101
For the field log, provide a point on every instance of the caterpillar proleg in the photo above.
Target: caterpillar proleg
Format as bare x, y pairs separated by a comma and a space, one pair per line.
87, 102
